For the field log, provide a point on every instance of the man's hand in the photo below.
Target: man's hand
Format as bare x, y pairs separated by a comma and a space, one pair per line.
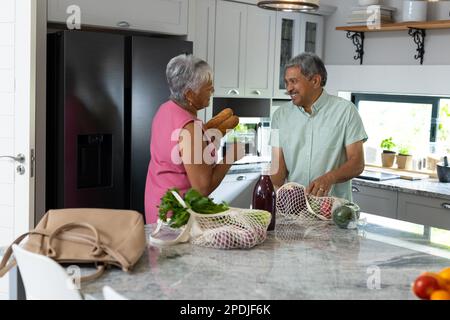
321, 186
350, 169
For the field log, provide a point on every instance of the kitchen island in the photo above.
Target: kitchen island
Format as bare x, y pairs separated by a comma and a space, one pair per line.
309, 260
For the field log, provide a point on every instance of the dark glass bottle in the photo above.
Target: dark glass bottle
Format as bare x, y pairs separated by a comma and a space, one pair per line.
264, 197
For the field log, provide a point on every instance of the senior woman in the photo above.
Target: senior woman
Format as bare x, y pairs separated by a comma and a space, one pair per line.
182, 155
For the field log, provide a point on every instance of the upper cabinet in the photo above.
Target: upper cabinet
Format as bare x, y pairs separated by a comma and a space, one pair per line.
312, 34
162, 16
260, 52
244, 50
287, 45
231, 22
295, 33
202, 23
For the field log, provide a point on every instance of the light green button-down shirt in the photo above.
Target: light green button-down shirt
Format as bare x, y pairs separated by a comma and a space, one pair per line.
315, 144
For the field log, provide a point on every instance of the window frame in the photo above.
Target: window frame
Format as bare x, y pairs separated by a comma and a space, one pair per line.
434, 101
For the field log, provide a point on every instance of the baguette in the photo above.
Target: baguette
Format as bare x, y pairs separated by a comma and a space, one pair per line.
215, 122
229, 124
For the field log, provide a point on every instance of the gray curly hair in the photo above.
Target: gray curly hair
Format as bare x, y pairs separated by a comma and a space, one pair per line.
186, 72
310, 64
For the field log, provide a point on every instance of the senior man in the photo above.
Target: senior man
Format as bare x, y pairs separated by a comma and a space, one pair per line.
317, 140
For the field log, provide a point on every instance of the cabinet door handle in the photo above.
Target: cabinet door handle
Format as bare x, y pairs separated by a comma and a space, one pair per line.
234, 92
446, 206
241, 178
257, 92
123, 24
355, 189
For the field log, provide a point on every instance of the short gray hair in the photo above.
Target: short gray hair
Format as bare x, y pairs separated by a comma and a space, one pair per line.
186, 72
310, 64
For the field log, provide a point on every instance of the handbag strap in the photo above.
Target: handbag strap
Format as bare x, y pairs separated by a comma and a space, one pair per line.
98, 247
5, 267
5, 264
97, 251
97, 274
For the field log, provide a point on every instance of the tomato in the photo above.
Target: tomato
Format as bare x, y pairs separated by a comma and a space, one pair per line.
424, 286
325, 208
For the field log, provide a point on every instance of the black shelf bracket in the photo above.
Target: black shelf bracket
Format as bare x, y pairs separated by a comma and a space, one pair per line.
358, 41
419, 39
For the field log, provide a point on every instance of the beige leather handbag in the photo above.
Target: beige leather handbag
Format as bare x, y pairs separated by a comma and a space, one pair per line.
86, 236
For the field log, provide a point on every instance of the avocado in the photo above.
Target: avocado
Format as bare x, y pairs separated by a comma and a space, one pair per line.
344, 215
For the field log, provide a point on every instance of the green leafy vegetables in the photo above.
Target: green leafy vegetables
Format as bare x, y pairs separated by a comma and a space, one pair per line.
194, 200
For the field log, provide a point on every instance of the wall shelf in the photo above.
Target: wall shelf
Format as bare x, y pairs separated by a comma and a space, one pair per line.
415, 29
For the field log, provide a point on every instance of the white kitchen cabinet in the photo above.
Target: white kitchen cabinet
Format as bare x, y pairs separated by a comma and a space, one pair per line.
295, 33
311, 34
202, 23
162, 16
244, 51
231, 20
287, 45
432, 212
236, 190
260, 52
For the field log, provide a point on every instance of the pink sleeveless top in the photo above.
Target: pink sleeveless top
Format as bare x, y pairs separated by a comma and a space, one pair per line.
163, 172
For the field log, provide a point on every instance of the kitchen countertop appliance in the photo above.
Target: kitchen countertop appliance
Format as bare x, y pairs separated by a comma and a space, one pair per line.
255, 134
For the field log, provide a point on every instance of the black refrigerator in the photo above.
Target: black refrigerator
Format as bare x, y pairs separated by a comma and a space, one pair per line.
103, 91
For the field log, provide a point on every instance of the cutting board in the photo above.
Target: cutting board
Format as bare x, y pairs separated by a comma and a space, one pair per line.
413, 176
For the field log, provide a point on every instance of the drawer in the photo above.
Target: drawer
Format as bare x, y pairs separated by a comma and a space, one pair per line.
431, 212
376, 201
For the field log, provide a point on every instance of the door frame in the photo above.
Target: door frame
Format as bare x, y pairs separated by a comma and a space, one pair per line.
29, 119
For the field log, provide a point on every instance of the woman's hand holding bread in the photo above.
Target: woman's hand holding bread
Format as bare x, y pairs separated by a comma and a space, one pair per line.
224, 121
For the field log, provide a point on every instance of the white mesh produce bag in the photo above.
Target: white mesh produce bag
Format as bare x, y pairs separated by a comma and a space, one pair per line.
232, 229
293, 202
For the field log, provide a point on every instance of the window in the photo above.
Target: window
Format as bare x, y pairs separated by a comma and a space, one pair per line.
418, 123
443, 127
440, 237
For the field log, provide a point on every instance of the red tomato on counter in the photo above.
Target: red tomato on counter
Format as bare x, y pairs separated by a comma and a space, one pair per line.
424, 286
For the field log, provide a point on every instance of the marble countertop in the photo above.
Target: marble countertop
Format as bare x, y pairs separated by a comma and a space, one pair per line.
314, 260
427, 188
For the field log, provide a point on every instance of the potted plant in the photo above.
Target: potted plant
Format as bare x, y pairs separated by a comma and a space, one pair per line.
388, 156
404, 158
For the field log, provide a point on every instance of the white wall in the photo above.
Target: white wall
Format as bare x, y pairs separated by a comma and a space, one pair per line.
414, 80
7, 25
381, 48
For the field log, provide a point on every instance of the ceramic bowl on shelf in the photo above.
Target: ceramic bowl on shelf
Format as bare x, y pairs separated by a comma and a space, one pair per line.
415, 10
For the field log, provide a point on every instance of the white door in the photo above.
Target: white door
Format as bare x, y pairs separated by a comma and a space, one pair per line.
17, 114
